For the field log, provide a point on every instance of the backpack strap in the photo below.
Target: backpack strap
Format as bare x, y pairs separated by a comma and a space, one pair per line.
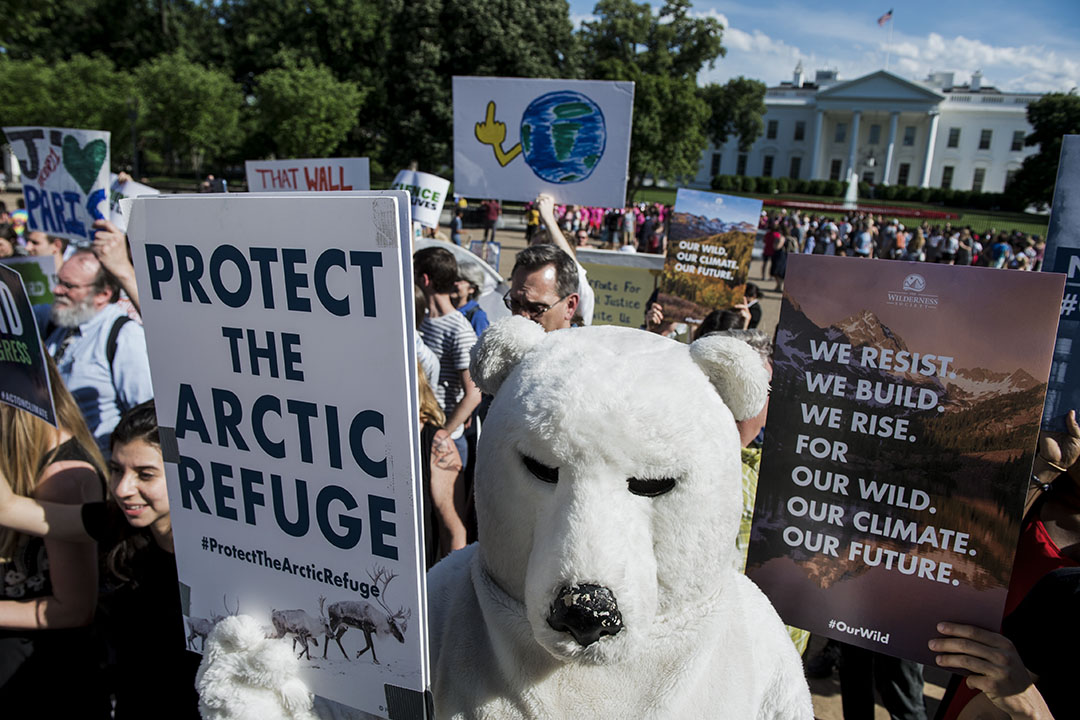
114, 334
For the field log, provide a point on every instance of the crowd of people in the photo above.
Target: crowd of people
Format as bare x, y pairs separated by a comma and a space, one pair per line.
97, 481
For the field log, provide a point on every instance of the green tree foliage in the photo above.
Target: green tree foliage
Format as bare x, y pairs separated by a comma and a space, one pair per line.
736, 108
83, 92
304, 110
1051, 116
186, 111
662, 54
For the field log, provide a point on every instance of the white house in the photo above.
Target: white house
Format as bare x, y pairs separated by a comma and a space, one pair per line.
886, 128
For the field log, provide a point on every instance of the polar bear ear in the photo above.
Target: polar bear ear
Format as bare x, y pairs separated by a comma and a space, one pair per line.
736, 371
501, 348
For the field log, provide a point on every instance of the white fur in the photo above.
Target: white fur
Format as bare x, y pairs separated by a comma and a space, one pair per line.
603, 405
245, 676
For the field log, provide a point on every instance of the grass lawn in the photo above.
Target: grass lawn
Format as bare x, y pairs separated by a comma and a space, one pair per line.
979, 220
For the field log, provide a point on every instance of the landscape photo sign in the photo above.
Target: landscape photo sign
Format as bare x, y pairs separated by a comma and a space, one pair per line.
24, 377
1062, 255
308, 175
899, 444
121, 190
710, 243
428, 193
38, 274
65, 178
515, 138
622, 284
290, 498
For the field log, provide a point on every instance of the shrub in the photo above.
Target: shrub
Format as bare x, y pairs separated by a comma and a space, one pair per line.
783, 185
748, 184
766, 185
834, 188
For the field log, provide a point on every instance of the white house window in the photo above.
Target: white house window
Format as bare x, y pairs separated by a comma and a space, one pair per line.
909, 136
1018, 141
946, 177
984, 139
740, 164
841, 132
977, 181
954, 137
770, 133
766, 166
1009, 175
834, 170
714, 169
902, 174
800, 130
875, 134
796, 167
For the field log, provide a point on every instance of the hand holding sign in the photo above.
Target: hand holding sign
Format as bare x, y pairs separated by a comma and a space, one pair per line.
1061, 450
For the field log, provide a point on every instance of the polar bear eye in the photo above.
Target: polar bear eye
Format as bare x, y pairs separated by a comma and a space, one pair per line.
541, 471
650, 487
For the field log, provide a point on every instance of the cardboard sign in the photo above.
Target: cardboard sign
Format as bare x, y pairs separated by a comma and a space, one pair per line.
38, 274
489, 252
428, 193
622, 283
710, 242
119, 191
515, 138
65, 176
899, 444
290, 497
1063, 256
24, 377
308, 175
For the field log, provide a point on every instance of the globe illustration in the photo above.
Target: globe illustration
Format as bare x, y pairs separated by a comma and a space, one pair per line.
563, 136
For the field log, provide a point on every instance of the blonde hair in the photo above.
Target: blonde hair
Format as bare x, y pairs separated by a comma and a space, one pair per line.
430, 412
28, 443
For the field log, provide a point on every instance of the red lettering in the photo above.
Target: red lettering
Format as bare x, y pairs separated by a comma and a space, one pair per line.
312, 182
322, 179
330, 178
341, 179
262, 176
293, 171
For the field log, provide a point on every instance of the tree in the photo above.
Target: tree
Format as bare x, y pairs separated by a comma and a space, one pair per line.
187, 111
662, 54
735, 108
1051, 116
304, 110
83, 92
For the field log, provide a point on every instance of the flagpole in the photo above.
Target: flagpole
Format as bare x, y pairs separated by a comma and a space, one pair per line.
888, 43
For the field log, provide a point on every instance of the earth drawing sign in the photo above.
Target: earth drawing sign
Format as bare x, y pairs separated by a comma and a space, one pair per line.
515, 138
65, 176
292, 500
899, 444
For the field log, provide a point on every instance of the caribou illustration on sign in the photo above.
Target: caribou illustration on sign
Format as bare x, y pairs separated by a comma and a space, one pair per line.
563, 136
373, 621
201, 627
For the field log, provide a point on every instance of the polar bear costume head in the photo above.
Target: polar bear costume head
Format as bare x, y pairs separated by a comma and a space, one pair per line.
608, 479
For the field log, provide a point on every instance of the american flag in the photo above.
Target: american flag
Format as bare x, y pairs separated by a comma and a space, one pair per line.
885, 18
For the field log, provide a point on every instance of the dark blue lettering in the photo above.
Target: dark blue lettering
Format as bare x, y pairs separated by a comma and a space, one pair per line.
266, 404
295, 280
353, 526
228, 418
188, 415
234, 336
252, 497
265, 256
303, 411
381, 528
290, 342
300, 527
191, 484
229, 253
222, 492
158, 273
190, 264
363, 421
366, 260
329, 259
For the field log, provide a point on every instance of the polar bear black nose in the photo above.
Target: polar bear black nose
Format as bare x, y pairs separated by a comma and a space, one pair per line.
586, 611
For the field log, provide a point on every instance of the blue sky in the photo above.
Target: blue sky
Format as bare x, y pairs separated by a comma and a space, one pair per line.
711, 205
1028, 46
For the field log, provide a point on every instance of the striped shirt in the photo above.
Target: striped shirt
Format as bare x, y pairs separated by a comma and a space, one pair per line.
450, 337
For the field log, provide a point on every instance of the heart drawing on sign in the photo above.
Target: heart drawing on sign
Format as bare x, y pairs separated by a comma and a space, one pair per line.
84, 163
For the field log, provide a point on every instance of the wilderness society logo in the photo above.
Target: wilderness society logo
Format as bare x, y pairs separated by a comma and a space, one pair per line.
913, 294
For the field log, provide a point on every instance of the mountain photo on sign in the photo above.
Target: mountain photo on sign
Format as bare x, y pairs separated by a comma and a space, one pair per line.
563, 136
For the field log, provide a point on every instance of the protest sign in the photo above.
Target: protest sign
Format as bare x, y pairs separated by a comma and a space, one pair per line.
119, 191
308, 175
710, 242
290, 497
24, 376
428, 193
572, 136
489, 252
65, 175
1063, 255
39, 276
622, 284
899, 444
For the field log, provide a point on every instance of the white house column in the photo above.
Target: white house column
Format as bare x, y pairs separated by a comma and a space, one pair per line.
819, 123
893, 119
853, 145
934, 115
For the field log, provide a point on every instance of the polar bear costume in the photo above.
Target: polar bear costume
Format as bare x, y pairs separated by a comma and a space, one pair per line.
608, 496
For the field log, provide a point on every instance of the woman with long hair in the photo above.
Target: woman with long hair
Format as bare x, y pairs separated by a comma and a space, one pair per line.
445, 494
142, 614
48, 587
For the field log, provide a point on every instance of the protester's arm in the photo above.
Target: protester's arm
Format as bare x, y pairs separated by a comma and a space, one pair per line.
654, 317
469, 402
1056, 453
111, 248
546, 205
131, 367
31, 516
72, 565
998, 671
447, 491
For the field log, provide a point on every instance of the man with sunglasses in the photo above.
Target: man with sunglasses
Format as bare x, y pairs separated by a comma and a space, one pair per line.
99, 351
544, 287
